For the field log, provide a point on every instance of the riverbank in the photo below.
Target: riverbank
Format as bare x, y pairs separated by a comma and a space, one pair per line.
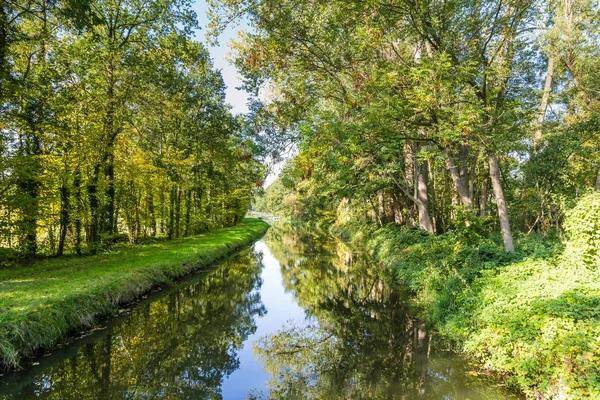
532, 315
40, 304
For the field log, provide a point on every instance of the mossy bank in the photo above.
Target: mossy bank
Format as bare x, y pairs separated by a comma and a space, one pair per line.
532, 315
42, 303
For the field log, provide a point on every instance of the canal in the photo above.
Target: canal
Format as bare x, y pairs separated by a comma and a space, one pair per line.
297, 316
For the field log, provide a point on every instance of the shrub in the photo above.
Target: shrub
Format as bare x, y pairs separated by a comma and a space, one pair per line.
533, 314
582, 227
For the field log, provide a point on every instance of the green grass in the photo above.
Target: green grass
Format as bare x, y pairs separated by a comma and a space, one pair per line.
532, 315
42, 303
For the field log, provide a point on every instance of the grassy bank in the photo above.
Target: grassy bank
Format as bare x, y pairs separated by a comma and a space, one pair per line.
533, 315
40, 304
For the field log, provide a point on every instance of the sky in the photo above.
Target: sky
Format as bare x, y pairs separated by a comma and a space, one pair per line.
236, 98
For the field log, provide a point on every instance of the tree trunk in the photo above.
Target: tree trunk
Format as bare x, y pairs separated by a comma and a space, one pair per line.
108, 221
381, 203
374, 212
178, 212
537, 139
597, 186
137, 197
171, 227
483, 197
422, 199
397, 208
161, 199
92, 189
151, 211
433, 213
410, 179
500, 202
28, 186
64, 217
458, 180
188, 211
110, 135
390, 208
3, 49
78, 202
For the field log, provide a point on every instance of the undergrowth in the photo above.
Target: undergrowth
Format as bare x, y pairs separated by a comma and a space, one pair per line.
533, 314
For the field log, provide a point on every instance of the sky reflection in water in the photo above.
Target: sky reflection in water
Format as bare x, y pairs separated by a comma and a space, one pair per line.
296, 317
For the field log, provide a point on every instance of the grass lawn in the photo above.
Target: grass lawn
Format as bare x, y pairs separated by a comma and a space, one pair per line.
41, 303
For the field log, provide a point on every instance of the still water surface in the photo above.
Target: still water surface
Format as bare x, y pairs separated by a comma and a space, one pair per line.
297, 316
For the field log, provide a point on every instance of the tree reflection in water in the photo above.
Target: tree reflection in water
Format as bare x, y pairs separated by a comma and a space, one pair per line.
358, 343
361, 343
181, 345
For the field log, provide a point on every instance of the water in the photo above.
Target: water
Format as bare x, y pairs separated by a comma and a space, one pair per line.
295, 317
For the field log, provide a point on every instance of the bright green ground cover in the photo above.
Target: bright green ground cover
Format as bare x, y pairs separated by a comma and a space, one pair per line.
533, 315
40, 304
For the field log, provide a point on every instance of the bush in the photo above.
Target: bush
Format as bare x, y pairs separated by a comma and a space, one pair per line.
582, 227
108, 241
533, 314
8, 257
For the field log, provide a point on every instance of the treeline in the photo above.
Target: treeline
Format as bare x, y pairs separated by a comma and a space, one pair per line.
113, 127
430, 113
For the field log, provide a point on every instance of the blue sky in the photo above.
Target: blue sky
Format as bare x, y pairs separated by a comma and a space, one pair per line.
235, 97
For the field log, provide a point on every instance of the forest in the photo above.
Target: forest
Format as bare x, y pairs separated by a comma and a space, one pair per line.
430, 113
114, 128
455, 144
458, 142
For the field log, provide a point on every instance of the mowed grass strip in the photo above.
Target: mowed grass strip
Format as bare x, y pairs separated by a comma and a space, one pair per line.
40, 304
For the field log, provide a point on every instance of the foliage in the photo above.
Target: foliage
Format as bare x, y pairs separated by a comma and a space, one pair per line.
115, 124
582, 227
515, 313
409, 110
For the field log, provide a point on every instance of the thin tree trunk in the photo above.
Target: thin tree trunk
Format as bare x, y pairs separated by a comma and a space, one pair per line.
92, 189
171, 227
178, 212
396, 208
537, 139
597, 186
64, 217
381, 203
433, 198
410, 179
374, 214
151, 211
138, 220
422, 199
109, 208
472, 179
161, 199
458, 180
117, 206
188, 211
28, 184
500, 202
78, 202
10, 231
4, 25
390, 208
483, 197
